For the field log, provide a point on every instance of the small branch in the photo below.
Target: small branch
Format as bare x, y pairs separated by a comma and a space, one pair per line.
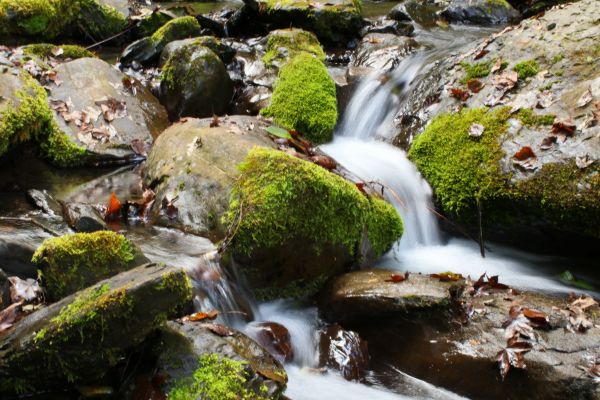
109, 38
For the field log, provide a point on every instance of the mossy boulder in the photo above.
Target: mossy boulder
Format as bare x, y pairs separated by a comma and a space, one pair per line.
195, 83
87, 85
25, 116
221, 49
333, 22
78, 339
146, 51
548, 202
483, 12
59, 52
382, 52
296, 224
285, 44
48, 19
304, 98
196, 164
73, 262
199, 363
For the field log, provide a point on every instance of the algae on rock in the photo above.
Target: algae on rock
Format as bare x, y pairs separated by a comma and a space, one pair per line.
285, 44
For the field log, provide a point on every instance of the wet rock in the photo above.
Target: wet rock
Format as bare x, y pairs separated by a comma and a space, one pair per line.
45, 202
151, 21
382, 52
423, 12
194, 166
289, 242
273, 337
399, 13
343, 88
73, 262
252, 99
107, 133
332, 23
480, 12
221, 49
371, 293
540, 96
285, 44
195, 83
91, 20
18, 242
78, 339
4, 291
83, 217
344, 351
146, 51
187, 347
385, 25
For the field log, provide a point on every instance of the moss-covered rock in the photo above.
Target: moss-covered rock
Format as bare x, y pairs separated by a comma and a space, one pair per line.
485, 12
60, 52
223, 50
198, 363
304, 98
285, 44
296, 223
25, 116
333, 23
195, 83
48, 19
77, 340
73, 262
147, 50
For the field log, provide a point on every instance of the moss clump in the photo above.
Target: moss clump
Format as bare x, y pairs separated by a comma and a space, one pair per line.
187, 64
152, 22
178, 28
462, 169
280, 197
53, 18
217, 378
72, 262
476, 70
526, 69
293, 41
46, 50
530, 119
304, 99
33, 120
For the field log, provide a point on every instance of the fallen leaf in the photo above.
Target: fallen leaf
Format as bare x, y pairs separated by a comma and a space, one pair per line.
397, 278
25, 291
585, 99
481, 54
459, 94
497, 66
548, 142
563, 125
219, 329
361, 187
324, 161
524, 153
9, 316
215, 121
583, 162
57, 51
114, 206
476, 130
169, 207
475, 85
279, 132
537, 318
200, 316
447, 276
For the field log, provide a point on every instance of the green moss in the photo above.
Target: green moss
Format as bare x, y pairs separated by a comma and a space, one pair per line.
176, 29
294, 41
182, 70
72, 262
45, 50
100, 20
526, 69
217, 378
33, 120
152, 22
476, 70
304, 99
280, 197
557, 58
461, 168
530, 119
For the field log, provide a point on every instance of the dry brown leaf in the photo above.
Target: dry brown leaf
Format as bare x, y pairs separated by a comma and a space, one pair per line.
219, 329
585, 99
548, 142
475, 85
201, 316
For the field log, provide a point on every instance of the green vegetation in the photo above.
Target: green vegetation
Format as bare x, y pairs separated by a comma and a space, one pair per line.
73, 262
476, 70
187, 64
526, 69
304, 99
294, 41
280, 197
46, 50
530, 119
33, 120
176, 29
217, 378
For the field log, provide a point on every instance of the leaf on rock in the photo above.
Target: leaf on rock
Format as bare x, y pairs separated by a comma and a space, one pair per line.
538, 319
460, 94
278, 132
525, 158
548, 142
140, 148
112, 108
564, 125
585, 99
481, 54
397, 278
497, 66
57, 51
475, 85
201, 316
447, 276
215, 121
219, 329
324, 161
114, 206
169, 207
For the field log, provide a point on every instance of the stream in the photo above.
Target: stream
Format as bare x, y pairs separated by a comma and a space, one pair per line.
360, 145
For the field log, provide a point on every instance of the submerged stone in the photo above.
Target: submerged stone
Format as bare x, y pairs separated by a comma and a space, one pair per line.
296, 224
77, 340
73, 262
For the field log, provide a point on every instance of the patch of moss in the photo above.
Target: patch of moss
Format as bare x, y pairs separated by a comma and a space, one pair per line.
304, 99
461, 168
176, 29
530, 119
280, 197
46, 50
99, 20
73, 262
217, 378
293, 41
526, 69
476, 70
152, 22
297, 289
33, 120
188, 63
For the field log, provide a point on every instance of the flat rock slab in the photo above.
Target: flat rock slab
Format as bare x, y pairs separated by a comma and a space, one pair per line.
86, 83
371, 293
78, 339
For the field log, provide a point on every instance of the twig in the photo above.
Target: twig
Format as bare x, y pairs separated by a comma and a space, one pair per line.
109, 38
